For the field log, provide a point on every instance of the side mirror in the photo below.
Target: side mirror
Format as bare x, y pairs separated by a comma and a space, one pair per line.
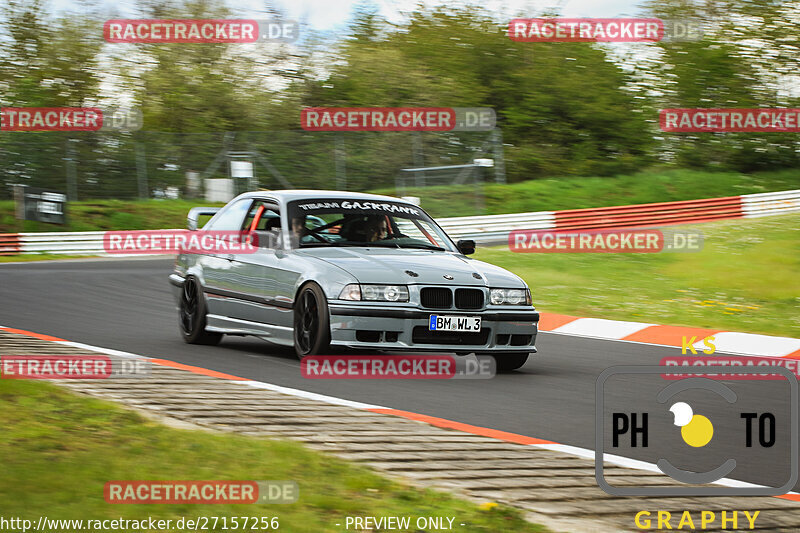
466, 246
197, 212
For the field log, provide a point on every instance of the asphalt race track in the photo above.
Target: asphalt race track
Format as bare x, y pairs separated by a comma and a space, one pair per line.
127, 305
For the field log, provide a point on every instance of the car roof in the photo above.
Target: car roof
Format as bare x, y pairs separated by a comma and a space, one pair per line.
290, 195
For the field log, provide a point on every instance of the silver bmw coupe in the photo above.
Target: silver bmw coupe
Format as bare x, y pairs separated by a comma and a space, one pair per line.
334, 270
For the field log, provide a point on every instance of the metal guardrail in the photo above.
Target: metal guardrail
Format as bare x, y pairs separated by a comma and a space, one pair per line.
495, 228
491, 228
771, 203
76, 243
9, 244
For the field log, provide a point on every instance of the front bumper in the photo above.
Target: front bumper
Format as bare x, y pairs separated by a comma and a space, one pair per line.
406, 328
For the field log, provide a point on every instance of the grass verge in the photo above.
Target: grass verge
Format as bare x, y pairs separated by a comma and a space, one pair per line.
746, 278
60, 448
105, 215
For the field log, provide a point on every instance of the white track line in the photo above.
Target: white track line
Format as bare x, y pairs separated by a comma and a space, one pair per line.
310, 395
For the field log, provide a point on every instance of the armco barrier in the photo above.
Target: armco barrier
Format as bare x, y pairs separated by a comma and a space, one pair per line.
771, 203
9, 244
685, 212
78, 243
495, 228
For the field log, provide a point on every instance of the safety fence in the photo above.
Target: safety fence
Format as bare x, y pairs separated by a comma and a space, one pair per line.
10, 243
56, 242
495, 228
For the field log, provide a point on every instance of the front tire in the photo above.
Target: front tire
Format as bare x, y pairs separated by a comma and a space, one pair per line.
506, 362
312, 323
193, 315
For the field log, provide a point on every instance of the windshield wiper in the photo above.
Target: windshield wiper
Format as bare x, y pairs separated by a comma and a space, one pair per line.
329, 243
422, 246
377, 244
380, 244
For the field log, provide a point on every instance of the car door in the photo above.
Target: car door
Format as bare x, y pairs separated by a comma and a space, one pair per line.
255, 272
218, 268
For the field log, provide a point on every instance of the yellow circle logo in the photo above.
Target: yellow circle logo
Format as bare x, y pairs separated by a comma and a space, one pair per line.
696, 430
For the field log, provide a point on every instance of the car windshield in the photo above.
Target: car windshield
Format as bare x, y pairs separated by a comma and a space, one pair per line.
376, 223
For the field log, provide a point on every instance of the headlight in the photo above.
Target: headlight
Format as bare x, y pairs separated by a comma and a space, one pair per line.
375, 293
510, 296
497, 296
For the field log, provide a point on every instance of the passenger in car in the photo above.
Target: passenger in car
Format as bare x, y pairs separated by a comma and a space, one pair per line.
298, 230
365, 228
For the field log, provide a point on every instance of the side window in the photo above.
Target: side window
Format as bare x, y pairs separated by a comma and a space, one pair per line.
230, 219
266, 217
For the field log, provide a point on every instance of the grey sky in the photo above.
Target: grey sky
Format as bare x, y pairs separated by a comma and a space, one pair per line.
332, 15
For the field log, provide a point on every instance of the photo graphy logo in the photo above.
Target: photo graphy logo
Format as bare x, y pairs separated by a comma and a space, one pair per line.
698, 431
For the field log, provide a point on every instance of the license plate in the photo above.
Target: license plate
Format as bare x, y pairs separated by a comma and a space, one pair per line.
454, 323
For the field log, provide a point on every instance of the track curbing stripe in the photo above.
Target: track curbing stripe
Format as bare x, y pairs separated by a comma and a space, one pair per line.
602, 328
460, 426
39, 336
197, 370
733, 342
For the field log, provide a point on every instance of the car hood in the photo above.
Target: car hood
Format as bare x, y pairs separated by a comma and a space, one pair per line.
380, 265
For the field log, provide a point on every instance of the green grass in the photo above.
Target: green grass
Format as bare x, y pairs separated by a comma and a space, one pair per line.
746, 278
103, 215
59, 449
